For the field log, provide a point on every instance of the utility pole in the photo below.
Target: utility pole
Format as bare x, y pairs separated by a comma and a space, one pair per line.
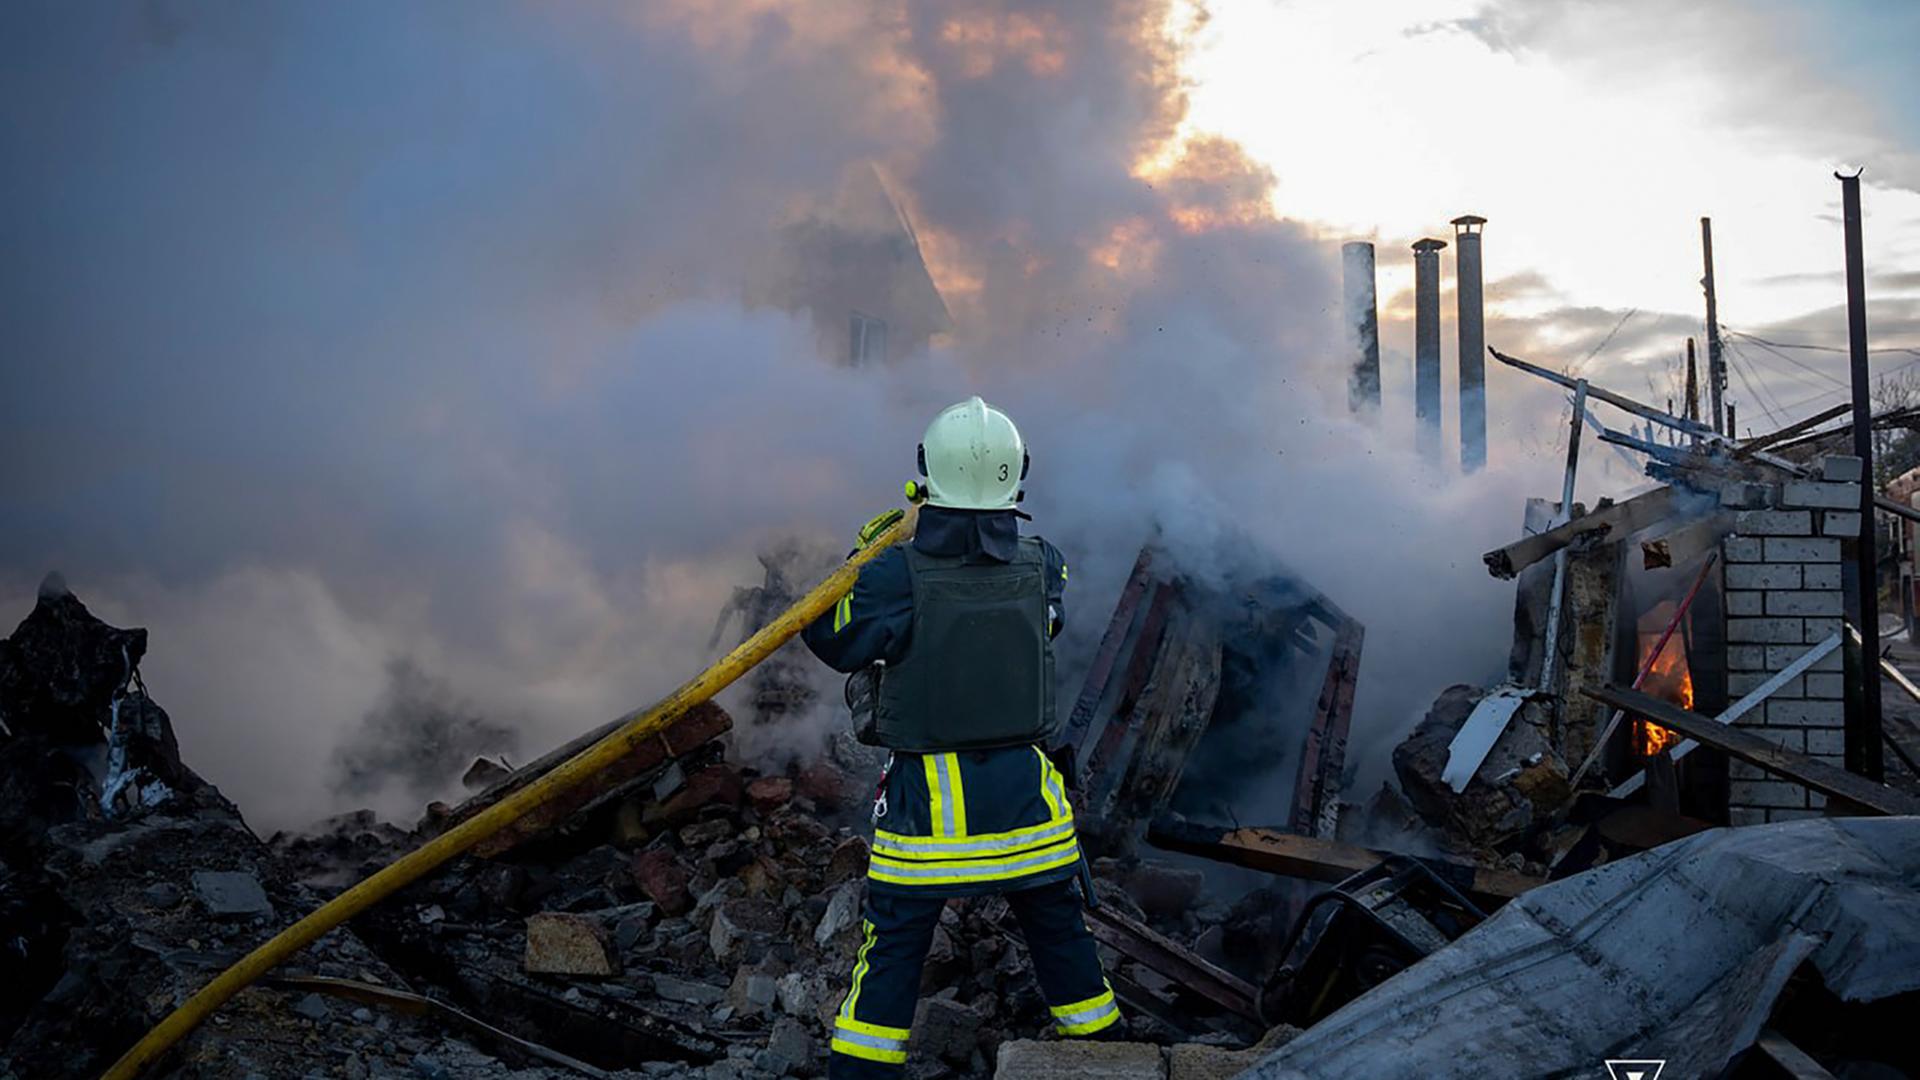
1716, 363
1863, 753
1693, 385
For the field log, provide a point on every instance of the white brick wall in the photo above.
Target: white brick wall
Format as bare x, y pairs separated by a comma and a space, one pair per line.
1783, 595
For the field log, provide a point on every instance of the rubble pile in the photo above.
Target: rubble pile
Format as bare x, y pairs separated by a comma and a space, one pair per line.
679, 915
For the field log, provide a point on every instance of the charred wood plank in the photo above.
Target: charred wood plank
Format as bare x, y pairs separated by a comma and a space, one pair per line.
698, 726
1314, 859
1808, 772
1104, 766
420, 1005
1616, 521
1316, 791
1142, 945
1094, 689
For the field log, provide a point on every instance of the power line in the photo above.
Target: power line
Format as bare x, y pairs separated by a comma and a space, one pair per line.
1794, 360
1585, 360
1755, 394
1757, 339
1753, 372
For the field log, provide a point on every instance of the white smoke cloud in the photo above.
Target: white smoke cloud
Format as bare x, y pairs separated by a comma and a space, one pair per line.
440, 354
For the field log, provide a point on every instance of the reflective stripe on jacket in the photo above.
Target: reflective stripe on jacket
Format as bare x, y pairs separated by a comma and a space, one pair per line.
972, 822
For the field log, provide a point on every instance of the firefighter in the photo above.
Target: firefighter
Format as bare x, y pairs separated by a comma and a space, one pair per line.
949, 643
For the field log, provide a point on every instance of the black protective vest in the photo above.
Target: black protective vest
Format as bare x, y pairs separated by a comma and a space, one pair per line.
978, 672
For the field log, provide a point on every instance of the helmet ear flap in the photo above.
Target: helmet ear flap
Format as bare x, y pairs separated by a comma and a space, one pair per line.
1026, 462
921, 454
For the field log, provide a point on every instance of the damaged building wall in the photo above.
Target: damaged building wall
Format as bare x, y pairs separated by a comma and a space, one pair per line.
1783, 596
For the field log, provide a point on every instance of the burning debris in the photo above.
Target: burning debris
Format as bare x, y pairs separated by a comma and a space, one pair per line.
683, 913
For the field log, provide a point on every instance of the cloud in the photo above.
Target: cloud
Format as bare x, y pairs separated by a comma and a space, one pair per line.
344, 334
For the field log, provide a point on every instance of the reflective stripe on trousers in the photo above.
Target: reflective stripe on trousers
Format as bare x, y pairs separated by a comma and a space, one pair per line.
873, 1027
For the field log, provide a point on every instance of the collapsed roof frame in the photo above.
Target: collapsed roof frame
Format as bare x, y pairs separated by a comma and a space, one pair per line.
1150, 692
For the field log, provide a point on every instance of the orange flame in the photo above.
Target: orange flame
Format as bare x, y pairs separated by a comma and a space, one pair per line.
1669, 680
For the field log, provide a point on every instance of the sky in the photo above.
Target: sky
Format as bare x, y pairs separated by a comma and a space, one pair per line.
1594, 136
398, 366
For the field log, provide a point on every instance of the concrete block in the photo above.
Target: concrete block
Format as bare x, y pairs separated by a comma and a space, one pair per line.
1768, 793
1764, 630
1746, 603
1773, 523
1836, 523
1763, 576
1802, 549
1794, 739
1803, 602
1820, 576
1740, 770
1818, 496
1744, 549
231, 892
1819, 630
1746, 815
1816, 800
561, 943
1823, 684
1842, 469
1805, 713
1198, 1061
1827, 741
1748, 658
1779, 656
1742, 683
1745, 495
1791, 815
1078, 1059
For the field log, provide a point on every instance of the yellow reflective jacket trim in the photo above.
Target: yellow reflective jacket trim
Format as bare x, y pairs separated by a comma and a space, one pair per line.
1051, 789
843, 613
1086, 1017
946, 797
858, 1046
987, 845
967, 871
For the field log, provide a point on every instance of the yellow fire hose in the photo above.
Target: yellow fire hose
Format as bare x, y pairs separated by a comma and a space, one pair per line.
568, 774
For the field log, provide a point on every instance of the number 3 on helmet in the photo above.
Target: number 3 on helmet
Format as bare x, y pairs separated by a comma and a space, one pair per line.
973, 458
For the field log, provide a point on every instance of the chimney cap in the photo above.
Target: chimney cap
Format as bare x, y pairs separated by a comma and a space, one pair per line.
1428, 244
1469, 219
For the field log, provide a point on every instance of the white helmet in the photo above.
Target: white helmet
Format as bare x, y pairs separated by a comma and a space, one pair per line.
973, 458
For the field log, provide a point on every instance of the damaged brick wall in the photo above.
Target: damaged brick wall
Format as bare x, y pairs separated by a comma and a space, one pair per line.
1784, 596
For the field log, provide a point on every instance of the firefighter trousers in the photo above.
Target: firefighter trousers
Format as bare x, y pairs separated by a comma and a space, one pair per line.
876, 1019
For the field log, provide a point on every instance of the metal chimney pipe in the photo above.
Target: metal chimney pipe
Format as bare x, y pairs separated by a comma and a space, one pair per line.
1426, 347
1471, 321
1363, 328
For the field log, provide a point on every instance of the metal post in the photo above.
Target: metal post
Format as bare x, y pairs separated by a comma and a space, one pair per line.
1693, 385
1864, 754
1716, 362
1426, 347
1363, 328
1556, 600
1471, 323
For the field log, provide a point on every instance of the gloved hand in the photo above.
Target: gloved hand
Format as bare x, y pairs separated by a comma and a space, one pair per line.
881, 523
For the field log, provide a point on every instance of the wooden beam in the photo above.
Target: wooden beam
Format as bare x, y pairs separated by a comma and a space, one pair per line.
1795, 1062
1617, 520
1746, 449
1618, 401
1801, 769
1314, 859
1142, 945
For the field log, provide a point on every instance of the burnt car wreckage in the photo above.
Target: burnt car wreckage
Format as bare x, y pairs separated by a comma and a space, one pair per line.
1681, 662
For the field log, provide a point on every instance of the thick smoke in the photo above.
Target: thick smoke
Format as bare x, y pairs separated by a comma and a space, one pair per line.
345, 333
419, 736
